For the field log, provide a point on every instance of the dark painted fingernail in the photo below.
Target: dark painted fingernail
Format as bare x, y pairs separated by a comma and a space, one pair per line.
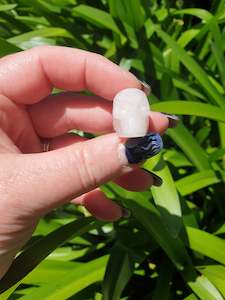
157, 180
126, 213
145, 87
173, 120
142, 148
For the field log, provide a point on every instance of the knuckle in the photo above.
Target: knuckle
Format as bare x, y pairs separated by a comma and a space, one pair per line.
86, 170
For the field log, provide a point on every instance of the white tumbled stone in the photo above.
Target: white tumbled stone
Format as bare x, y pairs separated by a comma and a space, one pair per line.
131, 113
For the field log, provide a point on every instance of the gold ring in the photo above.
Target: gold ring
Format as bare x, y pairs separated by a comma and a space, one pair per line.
46, 146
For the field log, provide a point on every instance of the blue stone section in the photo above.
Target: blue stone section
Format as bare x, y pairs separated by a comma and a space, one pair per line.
139, 149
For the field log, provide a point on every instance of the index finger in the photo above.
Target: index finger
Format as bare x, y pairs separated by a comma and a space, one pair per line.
29, 76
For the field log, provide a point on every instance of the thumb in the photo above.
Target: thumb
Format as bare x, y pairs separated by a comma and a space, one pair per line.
49, 179
52, 178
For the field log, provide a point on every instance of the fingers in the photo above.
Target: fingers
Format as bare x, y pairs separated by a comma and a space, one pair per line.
100, 206
57, 114
53, 178
36, 71
135, 180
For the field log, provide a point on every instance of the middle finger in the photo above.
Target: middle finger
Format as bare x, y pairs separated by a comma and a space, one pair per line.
57, 114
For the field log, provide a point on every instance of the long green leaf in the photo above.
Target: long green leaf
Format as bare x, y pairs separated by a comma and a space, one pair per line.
190, 108
43, 33
7, 48
216, 274
206, 243
196, 181
34, 254
163, 285
5, 7
189, 145
53, 269
203, 287
193, 67
166, 197
150, 218
118, 272
130, 12
73, 282
96, 16
217, 46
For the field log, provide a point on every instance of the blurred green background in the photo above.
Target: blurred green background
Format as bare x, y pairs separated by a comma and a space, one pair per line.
172, 246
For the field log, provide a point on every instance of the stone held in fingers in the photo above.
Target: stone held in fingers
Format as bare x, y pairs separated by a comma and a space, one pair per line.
131, 113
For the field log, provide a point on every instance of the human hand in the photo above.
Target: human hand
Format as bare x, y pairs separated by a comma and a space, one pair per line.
33, 182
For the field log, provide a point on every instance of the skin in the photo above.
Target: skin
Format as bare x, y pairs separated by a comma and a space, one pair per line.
33, 182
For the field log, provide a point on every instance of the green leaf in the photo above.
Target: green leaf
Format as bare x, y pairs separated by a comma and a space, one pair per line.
73, 282
194, 182
204, 288
33, 20
184, 139
7, 48
40, 33
193, 67
118, 272
96, 16
206, 243
187, 36
191, 297
38, 251
53, 269
216, 274
150, 218
177, 158
190, 108
217, 45
130, 12
163, 285
5, 7
166, 197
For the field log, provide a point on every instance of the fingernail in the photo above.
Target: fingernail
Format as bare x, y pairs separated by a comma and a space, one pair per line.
173, 120
142, 148
157, 180
145, 87
126, 213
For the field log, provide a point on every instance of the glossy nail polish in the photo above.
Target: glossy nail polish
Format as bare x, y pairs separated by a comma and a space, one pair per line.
142, 148
157, 181
146, 88
173, 120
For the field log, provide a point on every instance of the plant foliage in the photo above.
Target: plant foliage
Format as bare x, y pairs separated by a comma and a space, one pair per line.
172, 246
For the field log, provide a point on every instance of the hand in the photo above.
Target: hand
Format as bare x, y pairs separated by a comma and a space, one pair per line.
33, 182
